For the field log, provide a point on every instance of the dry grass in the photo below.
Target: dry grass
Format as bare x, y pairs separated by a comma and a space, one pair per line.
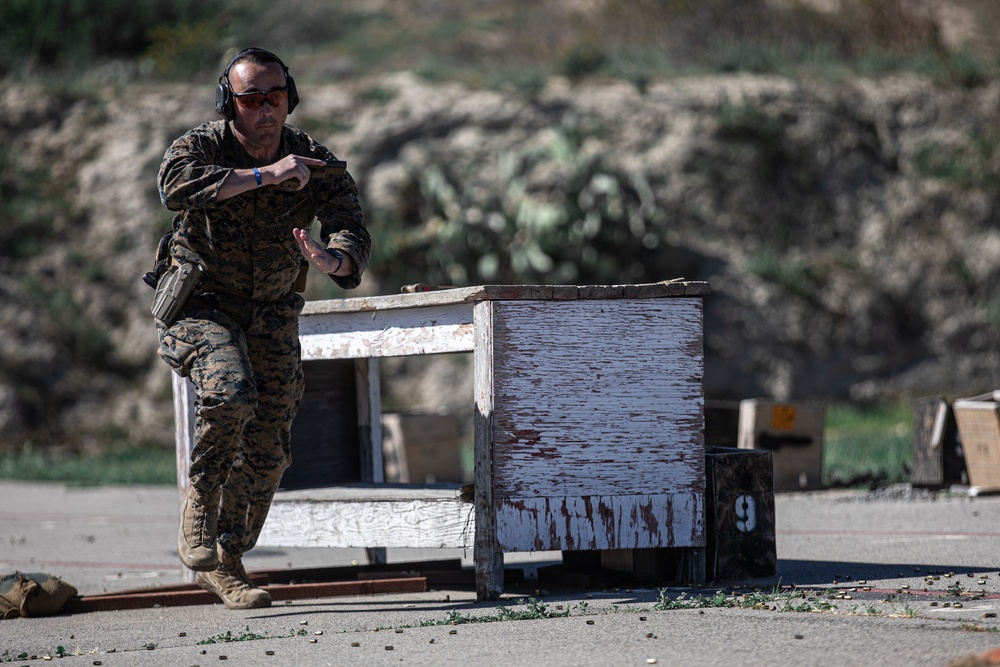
480, 43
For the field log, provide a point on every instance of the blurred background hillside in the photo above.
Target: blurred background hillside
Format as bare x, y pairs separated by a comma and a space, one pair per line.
829, 166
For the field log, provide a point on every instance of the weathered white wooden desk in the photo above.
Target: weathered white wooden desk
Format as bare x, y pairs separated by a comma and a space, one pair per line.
589, 422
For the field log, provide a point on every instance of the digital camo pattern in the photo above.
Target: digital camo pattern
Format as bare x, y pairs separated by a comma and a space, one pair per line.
245, 243
248, 384
237, 338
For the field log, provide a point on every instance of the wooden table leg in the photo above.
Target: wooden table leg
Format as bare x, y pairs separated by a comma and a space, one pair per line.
369, 390
487, 553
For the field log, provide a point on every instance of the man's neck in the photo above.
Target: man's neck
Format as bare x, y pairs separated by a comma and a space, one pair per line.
261, 154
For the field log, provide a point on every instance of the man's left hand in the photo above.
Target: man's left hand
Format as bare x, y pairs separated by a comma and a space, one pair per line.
317, 255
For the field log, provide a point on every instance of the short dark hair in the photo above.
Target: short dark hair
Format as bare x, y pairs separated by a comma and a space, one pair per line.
258, 57
255, 55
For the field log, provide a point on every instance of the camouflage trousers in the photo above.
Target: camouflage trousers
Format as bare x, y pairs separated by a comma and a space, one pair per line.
248, 383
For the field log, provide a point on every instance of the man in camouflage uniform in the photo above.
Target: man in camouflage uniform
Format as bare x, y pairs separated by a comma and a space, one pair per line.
237, 335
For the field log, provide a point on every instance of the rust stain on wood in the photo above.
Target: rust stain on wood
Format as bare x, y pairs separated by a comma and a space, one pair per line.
601, 522
649, 519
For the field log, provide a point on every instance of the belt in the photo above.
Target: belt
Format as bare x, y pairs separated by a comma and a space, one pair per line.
237, 309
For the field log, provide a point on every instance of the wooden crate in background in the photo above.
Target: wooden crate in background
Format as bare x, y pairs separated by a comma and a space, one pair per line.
421, 448
937, 454
978, 422
793, 433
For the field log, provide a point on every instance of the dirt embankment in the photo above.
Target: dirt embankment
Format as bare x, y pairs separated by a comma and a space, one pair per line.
849, 231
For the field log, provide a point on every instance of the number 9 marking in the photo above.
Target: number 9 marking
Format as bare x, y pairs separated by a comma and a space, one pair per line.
746, 514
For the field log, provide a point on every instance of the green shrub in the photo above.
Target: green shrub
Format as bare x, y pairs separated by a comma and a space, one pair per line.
179, 49
966, 69
528, 82
873, 444
968, 165
581, 61
639, 64
30, 206
746, 55
599, 225
54, 33
791, 274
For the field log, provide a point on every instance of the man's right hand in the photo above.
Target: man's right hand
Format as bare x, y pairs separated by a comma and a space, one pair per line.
288, 168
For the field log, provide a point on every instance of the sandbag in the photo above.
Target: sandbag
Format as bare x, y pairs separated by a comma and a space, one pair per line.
33, 594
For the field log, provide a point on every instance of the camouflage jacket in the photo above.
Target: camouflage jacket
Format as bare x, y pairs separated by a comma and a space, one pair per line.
245, 244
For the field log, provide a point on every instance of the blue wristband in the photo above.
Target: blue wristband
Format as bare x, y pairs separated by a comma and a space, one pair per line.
256, 174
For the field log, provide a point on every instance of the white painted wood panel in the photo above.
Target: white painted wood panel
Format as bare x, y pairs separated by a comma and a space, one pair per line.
184, 396
598, 398
601, 522
386, 333
360, 516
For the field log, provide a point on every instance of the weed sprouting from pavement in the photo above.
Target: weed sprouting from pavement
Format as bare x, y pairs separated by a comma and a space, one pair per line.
789, 601
535, 610
246, 636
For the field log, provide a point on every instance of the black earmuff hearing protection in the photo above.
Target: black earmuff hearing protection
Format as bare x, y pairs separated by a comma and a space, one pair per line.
224, 94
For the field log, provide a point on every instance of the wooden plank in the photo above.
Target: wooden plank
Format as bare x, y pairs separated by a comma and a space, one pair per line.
304, 575
667, 288
378, 333
565, 292
582, 413
364, 492
487, 553
602, 291
394, 301
517, 292
601, 522
370, 516
196, 596
649, 291
697, 289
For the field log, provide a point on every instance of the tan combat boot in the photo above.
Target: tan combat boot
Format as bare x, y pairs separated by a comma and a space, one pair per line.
230, 582
196, 537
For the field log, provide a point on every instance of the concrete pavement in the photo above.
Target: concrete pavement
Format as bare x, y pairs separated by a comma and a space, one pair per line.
860, 562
